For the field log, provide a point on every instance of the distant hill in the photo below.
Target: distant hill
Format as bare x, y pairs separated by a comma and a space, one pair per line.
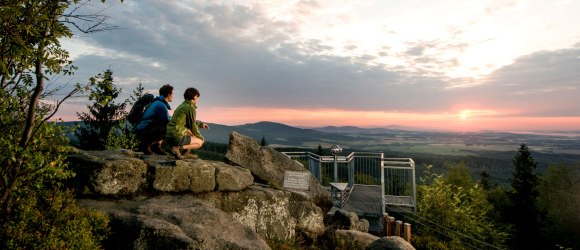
356, 130
274, 133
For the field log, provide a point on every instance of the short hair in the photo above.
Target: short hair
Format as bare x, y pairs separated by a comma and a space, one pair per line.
190, 93
165, 90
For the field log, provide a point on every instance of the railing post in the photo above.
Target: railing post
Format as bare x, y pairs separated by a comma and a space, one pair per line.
383, 183
335, 168
407, 232
413, 186
350, 165
386, 224
391, 225
398, 228
320, 170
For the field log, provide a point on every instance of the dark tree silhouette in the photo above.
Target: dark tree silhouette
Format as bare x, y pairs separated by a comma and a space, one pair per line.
484, 180
523, 212
263, 142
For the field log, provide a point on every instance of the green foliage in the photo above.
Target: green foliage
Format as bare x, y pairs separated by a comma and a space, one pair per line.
460, 209
120, 136
366, 179
558, 201
499, 199
458, 176
138, 92
35, 211
484, 180
319, 150
36, 217
25, 169
104, 114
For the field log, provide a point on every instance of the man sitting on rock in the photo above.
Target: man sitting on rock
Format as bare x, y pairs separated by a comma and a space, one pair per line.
182, 129
152, 126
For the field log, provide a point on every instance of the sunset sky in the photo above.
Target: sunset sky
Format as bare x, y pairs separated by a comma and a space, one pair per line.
448, 64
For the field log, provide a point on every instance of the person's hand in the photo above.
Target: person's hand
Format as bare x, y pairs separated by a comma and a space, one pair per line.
205, 126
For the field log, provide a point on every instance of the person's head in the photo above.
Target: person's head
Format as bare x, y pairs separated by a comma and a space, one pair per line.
191, 94
167, 92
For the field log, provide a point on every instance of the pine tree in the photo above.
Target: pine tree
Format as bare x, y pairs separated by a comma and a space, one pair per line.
263, 142
104, 114
484, 180
523, 212
320, 150
137, 93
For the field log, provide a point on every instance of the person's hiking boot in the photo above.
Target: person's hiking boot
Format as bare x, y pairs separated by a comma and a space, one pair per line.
188, 155
157, 149
175, 151
146, 149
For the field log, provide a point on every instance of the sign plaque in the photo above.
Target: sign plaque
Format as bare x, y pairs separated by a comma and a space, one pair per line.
299, 180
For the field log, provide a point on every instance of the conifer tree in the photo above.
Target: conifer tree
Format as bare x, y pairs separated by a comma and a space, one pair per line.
137, 93
523, 212
104, 113
263, 142
484, 180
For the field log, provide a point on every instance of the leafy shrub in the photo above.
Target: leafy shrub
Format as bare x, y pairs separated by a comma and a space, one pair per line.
51, 219
37, 213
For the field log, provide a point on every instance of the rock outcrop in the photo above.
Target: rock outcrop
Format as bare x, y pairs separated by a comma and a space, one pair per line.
269, 166
122, 173
108, 173
157, 202
173, 222
359, 238
390, 242
141, 192
273, 214
346, 220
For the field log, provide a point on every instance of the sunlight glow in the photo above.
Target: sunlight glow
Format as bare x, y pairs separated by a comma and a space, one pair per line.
464, 114
475, 119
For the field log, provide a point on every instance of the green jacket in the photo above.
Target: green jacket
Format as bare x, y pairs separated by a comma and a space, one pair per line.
184, 118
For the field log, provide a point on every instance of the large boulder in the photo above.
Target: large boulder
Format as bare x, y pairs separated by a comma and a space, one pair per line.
232, 178
390, 242
108, 172
193, 176
173, 222
347, 220
346, 238
273, 214
269, 166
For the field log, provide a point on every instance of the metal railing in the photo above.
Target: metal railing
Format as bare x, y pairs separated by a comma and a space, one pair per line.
394, 176
399, 186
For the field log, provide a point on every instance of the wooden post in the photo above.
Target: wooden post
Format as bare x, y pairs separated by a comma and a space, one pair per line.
386, 224
391, 225
398, 228
407, 232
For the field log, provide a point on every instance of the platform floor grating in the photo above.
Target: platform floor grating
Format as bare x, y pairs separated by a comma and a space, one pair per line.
364, 199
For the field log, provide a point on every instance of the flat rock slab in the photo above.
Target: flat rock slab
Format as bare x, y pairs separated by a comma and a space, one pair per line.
173, 222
